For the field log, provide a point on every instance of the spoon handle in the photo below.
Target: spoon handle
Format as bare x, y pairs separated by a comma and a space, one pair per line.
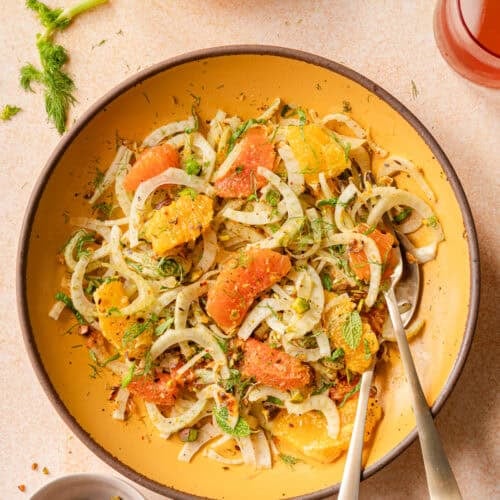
441, 482
349, 487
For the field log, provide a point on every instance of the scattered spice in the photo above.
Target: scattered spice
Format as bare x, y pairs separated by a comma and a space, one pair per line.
45, 470
34, 466
22, 488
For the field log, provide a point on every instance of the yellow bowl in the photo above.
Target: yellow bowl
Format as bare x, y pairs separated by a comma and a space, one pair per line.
238, 79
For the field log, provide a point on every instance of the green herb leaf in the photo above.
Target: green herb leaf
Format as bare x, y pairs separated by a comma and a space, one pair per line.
57, 84
337, 354
403, 215
223, 344
164, 326
84, 239
332, 202
8, 111
62, 297
241, 429
193, 167
432, 221
366, 346
302, 117
350, 394
170, 267
252, 197
327, 281
188, 192
137, 329
240, 131
352, 330
275, 401
289, 460
322, 388
110, 359
414, 90
104, 208
148, 363
273, 197
129, 376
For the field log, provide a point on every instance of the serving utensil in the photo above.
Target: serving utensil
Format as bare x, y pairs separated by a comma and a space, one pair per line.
440, 479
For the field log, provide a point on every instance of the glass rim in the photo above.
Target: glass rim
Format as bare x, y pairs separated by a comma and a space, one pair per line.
474, 39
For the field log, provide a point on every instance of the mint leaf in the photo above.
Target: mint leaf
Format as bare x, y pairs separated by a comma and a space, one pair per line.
352, 330
241, 429
350, 394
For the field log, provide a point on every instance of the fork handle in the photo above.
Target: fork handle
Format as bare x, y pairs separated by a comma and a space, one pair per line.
441, 482
349, 487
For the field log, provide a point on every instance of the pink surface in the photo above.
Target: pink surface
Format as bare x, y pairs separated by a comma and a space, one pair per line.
390, 42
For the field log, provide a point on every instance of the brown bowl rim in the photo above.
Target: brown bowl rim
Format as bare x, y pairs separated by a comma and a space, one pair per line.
137, 79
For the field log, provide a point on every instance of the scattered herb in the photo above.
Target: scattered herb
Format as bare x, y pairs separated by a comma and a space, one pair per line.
327, 281
83, 240
368, 352
137, 329
272, 197
346, 107
302, 116
164, 326
57, 84
322, 388
337, 354
252, 197
332, 202
235, 382
414, 90
223, 344
240, 131
301, 305
239, 169
148, 363
62, 297
113, 311
432, 221
289, 460
98, 179
169, 267
8, 111
370, 230
352, 330
275, 401
350, 394
241, 429
403, 215
104, 208
188, 192
344, 145
193, 167
129, 376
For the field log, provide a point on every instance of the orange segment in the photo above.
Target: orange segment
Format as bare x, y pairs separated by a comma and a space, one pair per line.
273, 367
307, 433
151, 162
316, 151
242, 179
243, 277
357, 256
162, 390
181, 221
110, 298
